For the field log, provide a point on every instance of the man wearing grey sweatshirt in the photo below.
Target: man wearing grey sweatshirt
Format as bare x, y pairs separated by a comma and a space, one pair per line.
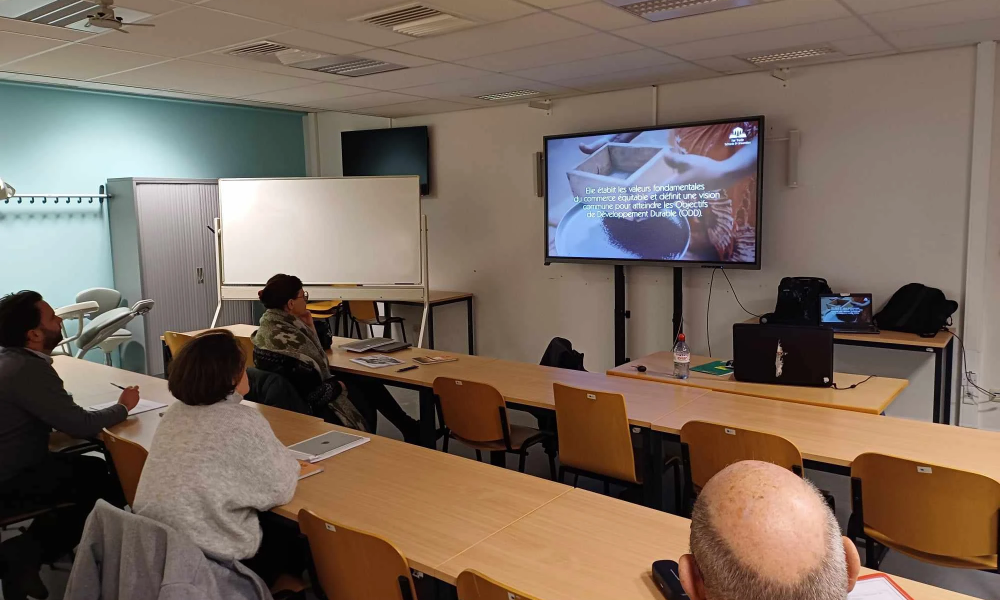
33, 402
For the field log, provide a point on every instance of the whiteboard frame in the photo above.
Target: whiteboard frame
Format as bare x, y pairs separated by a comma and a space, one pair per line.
416, 292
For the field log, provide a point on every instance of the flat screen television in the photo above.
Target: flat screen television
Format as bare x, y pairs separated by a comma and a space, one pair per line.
680, 195
402, 151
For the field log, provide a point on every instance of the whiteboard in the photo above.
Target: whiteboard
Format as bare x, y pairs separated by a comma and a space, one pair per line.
363, 230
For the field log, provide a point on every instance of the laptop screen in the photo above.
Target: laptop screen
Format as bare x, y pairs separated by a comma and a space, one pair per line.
849, 310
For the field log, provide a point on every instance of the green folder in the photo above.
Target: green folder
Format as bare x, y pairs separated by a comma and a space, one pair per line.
717, 368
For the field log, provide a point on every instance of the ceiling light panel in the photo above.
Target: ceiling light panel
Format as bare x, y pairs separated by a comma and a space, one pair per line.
785, 56
663, 10
512, 95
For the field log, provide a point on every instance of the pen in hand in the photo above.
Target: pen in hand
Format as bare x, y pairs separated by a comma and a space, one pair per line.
121, 387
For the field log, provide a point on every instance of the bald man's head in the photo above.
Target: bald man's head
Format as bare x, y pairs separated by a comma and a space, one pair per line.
759, 532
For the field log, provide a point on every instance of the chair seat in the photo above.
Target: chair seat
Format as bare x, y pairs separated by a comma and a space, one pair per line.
957, 562
323, 305
288, 584
519, 434
115, 340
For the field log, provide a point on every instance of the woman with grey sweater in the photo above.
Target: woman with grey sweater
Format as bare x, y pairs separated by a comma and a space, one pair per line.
214, 463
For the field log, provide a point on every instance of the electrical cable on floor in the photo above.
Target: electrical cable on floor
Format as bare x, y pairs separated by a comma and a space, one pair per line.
708, 313
968, 380
734, 293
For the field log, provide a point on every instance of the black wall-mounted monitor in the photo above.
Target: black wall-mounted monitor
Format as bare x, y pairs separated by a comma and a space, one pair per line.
687, 194
402, 151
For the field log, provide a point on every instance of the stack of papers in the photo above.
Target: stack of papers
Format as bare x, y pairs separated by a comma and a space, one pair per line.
376, 361
326, 445
877, 586
141, 407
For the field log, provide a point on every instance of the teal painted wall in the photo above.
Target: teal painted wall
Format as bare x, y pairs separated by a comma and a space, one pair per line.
56, 140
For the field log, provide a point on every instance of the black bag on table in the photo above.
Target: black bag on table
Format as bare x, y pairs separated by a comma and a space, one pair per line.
916, 308
798, 301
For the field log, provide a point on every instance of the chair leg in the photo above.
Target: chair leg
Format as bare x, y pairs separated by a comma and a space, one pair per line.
607, 488
870, 559
520, 462
576, 479
561, 475
444, 444
371, 331
402, 329
479, 456
552, 467
107, 359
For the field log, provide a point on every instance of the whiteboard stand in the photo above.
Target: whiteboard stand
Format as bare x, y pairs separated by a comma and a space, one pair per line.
344, 292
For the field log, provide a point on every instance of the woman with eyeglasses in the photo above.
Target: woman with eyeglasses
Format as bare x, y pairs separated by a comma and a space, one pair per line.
287, 331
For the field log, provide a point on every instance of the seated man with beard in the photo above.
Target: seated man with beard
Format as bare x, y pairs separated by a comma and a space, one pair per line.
33, 402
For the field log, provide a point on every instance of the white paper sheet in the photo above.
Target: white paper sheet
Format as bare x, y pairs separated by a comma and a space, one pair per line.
876, 588
141, 407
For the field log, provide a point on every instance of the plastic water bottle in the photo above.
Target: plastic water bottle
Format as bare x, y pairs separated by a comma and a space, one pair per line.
682, 358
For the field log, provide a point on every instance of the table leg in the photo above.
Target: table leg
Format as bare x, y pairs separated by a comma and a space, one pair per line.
472, 326
166, 356
498, 459
428, 419
653, 477
939, 369
430, 327
949, 367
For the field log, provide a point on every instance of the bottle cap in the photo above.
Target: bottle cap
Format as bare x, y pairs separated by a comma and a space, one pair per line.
680, 337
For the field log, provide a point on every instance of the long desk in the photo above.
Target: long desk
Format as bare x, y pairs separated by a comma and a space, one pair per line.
448, 513
438, 298
942, 346
873, 396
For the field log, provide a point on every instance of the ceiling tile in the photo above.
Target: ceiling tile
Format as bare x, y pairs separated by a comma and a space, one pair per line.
412, 109
153, 7
730, 65
367, 100
239, 62
484, 10
404, 78
310, 95
601, 16
588, 46
534, 29
202, 78
14, 46
188, 31
46, 31
933, 15
318, 42
325, 17
398, 58
548, 4
872, 6
479, 86
625, 61
82, 62
639, 77
868, 44
759, 17
775, 39
947, 35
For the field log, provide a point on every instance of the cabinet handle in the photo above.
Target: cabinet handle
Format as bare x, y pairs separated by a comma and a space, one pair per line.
201, 275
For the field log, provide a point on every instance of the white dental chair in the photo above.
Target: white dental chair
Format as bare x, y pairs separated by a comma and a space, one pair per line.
74, 311
105, 330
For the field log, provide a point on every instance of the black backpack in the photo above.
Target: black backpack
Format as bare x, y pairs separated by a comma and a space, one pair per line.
916, 308
798, 301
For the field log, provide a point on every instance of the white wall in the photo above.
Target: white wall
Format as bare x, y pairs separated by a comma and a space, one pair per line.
884, 171
990, 378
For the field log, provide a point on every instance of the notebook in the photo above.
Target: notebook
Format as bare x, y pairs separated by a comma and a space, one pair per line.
326, 445
141, 407
376, 361
877, 586
307, 469
433, 360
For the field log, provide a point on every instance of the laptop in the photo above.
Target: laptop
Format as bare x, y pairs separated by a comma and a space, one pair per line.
847, 313
783, 354
366, 345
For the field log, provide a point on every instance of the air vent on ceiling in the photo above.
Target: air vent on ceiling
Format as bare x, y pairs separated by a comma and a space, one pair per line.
509, 95
311, 60
792, 55
415, 20
662, 10
62, 13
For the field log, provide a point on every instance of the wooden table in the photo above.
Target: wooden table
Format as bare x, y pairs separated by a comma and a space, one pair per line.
583, 546
941, 345
873, 396
438, 298
831, 439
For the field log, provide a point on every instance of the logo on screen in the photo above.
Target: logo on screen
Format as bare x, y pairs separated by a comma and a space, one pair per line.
738, 137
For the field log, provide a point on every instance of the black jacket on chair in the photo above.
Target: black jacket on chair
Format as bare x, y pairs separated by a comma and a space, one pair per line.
560, 353
274, 390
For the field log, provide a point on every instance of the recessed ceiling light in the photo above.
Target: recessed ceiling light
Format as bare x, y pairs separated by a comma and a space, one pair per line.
789, 55
662, 10
415, 20
509, 95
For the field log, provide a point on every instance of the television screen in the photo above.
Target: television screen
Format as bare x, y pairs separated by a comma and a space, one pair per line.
687, 195
402, 151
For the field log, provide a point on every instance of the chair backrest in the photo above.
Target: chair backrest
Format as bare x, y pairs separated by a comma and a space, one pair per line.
713, 447
106, 299
363, 310
247, 345
352, 565
470, 410
176, 341
594, 432
928, 508
129, 459
473, 585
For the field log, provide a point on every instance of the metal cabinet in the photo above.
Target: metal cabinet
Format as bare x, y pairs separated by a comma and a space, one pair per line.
163, 248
